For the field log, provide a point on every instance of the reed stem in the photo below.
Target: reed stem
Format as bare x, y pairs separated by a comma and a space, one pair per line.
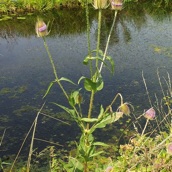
32, 140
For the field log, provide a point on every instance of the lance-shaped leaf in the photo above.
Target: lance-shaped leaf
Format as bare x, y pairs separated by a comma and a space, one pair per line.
89, 120
101, 112
100, 144
96, 154
48, 89
88, 58
73, 115
109, 58
67, 80
107, 118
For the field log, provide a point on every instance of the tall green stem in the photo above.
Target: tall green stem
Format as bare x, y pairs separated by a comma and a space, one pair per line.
90, 107
88, 36
54, 68
97, 54
98, 38
107, 44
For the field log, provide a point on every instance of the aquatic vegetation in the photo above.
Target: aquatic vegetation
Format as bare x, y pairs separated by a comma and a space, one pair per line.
13, 92
167, 51
5, 91
24, 109
4, 118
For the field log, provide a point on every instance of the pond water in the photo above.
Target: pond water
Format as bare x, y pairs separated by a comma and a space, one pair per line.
138, 44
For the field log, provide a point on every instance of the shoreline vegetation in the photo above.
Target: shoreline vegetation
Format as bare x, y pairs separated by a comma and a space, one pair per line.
21, 8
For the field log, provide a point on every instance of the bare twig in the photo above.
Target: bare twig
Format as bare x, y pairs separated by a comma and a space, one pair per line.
3, 136
48, 141
54, 118
32, 140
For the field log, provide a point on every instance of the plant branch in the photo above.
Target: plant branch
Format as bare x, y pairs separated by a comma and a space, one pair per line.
107, 44
54, 68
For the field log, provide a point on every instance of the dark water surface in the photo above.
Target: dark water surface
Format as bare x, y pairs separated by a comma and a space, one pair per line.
139, 43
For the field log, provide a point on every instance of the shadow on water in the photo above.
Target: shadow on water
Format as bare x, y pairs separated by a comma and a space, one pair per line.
139, 43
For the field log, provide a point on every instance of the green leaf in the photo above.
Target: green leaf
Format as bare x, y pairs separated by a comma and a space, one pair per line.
70, 111
100, 144
96, 154
66, 79
88, 58
102, 122
89, 120
75, 98
100, 52
82, 77
21, 18
89, 85
99, 84
112, 63
105, 119
101, 112
74, 165
48, 89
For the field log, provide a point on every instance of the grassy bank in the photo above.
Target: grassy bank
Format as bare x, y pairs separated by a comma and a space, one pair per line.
29, 6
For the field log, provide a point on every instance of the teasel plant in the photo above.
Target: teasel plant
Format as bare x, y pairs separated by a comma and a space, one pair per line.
88, 124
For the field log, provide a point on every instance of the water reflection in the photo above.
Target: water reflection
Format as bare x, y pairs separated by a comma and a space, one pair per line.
26, 72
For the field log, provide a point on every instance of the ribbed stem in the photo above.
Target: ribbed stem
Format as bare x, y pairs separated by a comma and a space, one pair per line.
90, 107
98, 38
54, 68
88, 37
107, 44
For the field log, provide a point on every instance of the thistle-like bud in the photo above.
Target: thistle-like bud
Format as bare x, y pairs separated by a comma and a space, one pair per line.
169, 148
100, 4
150, 114
41, 28
124, 108
116, 4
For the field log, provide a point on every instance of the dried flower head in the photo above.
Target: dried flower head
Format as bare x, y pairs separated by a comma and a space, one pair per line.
124, 108
116, 4
169, 148
41, 28
100, 4
150, 114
